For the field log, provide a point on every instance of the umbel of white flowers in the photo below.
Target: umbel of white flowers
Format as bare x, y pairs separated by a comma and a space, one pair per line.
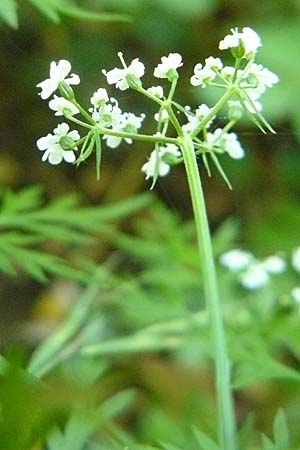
254, 274
104, 121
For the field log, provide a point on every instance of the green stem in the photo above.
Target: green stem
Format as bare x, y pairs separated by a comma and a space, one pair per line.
227, 428
223, 100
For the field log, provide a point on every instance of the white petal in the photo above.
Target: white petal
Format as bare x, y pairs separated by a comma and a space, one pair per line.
69, 156
61, 70
44, 142
74, 135
62, 129
73, 79
48, 87
55, 156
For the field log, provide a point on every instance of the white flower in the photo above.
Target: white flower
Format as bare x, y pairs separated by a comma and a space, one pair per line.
162, 115
236, 259
156, 91
248, 40
194, 120
227, 72
128, 122
58, 73
296, 294
63, 106
52, 145
99, 97
274, 264
156, 161
203, 76
255, 277
296, 259
213, 63
168, 65
228, 142
119, 77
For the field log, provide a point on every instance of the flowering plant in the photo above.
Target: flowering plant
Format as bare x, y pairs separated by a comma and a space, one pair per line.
181, 135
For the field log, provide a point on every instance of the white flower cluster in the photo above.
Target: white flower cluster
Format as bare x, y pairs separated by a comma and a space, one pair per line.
107, 113
253, 80
158, 160
245, 43
225, 143
243, 83
60, 145
254, 274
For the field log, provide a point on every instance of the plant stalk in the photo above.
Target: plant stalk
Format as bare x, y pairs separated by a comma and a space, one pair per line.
227, 427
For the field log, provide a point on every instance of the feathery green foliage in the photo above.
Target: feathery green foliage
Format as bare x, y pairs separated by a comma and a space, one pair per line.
26, 224
54, 9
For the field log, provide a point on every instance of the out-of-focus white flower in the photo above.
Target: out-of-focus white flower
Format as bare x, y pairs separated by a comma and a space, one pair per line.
63, 107
203, 76
248, 41
54, 145
58, 73
121, 77
227, 72
99, 97
213, 63
167, 67
156, 91
162, 116
194, 119
236, 259
254, 277
296, 294
156, 160
274, 264
128, 122
296, 259
228, 142
107, 114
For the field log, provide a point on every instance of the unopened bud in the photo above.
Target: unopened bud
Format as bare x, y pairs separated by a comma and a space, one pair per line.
66, 91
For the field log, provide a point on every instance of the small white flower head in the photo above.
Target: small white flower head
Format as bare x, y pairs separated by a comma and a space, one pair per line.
227, 142
203, 76
236, 259
213, 63
100, 97
161, 116
128, 122
254, 277
158, 161
168, 66
274, 264
126, 77
156, 91
243, 44
56, 145
194, 120
58, 73
63, 107
296, 294
227, 72
296, 259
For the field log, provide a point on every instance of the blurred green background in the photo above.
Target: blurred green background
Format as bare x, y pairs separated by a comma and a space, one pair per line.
265, 201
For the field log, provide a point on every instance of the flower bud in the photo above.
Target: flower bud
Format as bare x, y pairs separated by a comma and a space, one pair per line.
66, 91
235, 111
